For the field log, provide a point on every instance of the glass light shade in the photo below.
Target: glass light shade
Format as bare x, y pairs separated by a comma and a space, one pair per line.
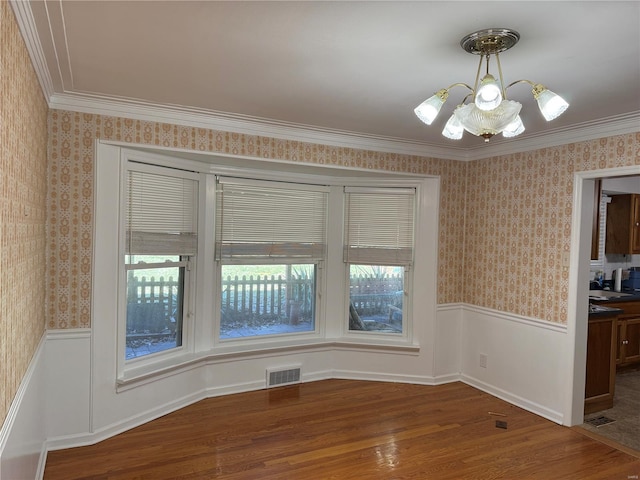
551, 105
514, 129
489, 94
453, 129
428, 110
479, 122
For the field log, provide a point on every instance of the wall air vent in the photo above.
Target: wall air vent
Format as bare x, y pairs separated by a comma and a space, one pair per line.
283, 376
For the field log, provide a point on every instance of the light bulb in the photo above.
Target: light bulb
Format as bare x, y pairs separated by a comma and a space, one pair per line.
428, 110
550, 104
453, 129
514, 129
489, 94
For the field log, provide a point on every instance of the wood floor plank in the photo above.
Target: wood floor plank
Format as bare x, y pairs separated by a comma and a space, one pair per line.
343, 429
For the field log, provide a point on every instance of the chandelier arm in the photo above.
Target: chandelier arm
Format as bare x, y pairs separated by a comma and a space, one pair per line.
459, 84
466, 97
504, 90
475, 85
521, 81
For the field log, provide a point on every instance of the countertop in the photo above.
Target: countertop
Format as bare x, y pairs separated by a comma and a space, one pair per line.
602, 311
604, 296
598, 300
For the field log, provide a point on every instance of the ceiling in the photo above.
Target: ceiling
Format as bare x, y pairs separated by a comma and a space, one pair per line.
347, 73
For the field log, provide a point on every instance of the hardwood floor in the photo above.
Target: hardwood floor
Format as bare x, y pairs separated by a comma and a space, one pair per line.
344, 429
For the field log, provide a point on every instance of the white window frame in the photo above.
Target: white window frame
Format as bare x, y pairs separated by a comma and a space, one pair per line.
407, 318
318, 262
130, 161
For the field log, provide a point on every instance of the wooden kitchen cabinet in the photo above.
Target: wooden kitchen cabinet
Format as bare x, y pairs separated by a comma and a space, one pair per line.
628, 348
623, 224
601, 363
628, 333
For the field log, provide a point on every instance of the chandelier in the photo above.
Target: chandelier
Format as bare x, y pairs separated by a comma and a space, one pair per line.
488, 111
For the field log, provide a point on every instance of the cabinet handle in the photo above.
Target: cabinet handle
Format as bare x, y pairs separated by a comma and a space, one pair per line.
625, 342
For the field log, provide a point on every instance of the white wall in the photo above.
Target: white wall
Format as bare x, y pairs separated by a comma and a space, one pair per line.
630, 184
24, 433
68, 386
525, 360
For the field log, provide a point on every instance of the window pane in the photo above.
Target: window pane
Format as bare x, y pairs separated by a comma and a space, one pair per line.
259, 300
154, 305
376, 294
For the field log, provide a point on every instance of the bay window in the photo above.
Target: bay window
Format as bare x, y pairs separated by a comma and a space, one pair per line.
270, 244
216, 260
378, 249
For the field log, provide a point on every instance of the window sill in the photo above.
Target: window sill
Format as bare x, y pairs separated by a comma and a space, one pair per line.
136, 377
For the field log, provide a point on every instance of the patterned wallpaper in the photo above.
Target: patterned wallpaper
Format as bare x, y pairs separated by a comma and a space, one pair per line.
23, 170
70, 200
518, 224
504, 221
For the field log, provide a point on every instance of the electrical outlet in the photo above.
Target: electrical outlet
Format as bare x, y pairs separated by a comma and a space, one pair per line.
483, 360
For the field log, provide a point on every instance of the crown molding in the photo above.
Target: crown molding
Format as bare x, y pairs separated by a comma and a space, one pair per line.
27, 25
617, 125
247, 125
580, 132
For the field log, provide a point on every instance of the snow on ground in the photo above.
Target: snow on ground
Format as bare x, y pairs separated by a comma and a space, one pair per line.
148, 346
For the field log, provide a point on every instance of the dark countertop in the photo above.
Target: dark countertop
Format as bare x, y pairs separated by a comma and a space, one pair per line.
602, 311
598, 305
628, 296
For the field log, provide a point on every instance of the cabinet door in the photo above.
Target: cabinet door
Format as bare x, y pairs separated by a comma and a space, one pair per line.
619, 341
632, 339
635, 224
601, 367
599, 343
623, 224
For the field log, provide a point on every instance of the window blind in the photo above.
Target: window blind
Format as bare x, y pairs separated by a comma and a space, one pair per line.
379, 226
161, 214
256, 219
602, 239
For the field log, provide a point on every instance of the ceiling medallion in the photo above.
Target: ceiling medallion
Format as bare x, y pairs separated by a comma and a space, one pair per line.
488, 112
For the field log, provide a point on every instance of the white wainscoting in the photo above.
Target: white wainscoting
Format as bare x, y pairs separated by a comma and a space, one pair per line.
68, 386
67, 400
525, 359
24, 432
446, 350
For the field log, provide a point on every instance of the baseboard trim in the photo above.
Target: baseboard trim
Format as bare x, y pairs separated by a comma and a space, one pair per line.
556, 417
109, 431
237, 388
16, 404
449, 378
377, 377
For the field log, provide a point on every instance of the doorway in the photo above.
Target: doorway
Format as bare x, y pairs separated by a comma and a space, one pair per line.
584, 186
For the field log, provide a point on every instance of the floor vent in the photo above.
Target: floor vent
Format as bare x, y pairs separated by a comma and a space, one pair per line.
287, 376
599, 421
